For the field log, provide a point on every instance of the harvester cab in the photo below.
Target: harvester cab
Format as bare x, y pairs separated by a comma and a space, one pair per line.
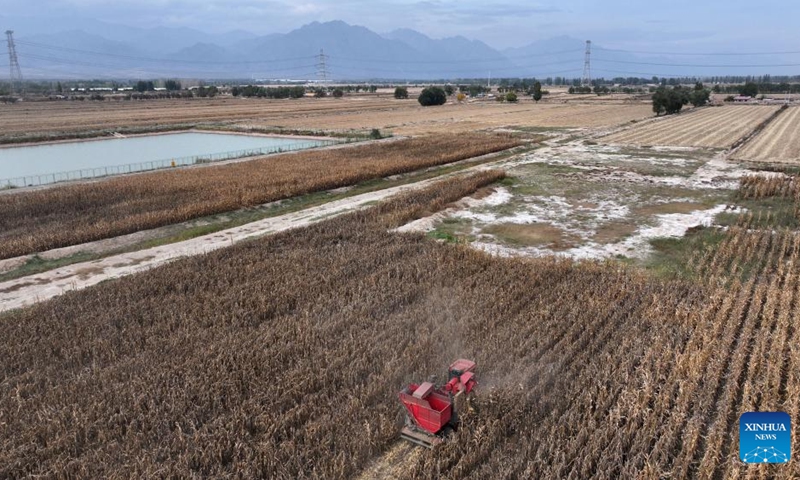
431, 411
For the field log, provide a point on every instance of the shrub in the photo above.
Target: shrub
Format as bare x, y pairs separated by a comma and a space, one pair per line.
511, 97
338, 93
432, 96
400, 93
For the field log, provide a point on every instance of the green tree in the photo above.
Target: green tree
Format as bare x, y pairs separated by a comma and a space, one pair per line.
749, 89
449, 89
511, 97
660, 101
698, 98
337, 93
537, 91
320, 93
59, 88
717, 89
142, 86
432, 96
172, 85
400, 93
669, 101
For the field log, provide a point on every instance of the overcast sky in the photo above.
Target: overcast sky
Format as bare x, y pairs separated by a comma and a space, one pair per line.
717, 25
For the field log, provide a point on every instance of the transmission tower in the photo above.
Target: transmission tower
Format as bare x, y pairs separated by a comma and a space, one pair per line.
587, 65
322, 66
16, 72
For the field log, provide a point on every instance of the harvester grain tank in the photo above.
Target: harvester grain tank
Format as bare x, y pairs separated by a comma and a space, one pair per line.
432, 411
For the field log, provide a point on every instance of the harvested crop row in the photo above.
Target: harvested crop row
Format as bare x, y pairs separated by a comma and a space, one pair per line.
778, 143
69, 215
472, 117
718, 127
282, 357
51, 117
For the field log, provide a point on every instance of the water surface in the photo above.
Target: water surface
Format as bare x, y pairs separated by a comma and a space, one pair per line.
37, 160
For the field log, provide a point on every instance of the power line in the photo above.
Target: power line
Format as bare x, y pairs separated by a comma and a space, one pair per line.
153, 59
715, 54
451, 62
125, 67
698, 66
518, 68
644, 73
316, 57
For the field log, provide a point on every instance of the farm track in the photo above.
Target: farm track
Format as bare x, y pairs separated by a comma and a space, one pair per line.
713, 127
36, 288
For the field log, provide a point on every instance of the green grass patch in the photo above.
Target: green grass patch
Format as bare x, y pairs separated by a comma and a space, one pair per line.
767, 213
37, 264
671, 256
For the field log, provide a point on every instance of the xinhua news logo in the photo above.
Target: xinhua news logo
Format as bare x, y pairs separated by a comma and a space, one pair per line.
765, 437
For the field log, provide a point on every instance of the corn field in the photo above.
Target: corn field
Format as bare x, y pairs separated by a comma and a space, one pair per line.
282, 358
56, 217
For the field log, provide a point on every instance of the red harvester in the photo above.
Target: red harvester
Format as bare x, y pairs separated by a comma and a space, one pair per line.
432, 411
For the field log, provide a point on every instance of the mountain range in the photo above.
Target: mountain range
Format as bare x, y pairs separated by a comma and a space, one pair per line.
333, 50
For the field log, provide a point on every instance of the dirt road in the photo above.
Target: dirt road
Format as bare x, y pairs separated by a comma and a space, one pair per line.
28, 290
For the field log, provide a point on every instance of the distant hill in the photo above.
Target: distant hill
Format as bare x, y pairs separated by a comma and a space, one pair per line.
90, 48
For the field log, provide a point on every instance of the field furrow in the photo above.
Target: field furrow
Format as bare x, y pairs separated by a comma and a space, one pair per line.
778, 143
713, 127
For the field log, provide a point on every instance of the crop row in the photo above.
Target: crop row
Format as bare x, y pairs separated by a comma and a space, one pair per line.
778, 143
716, 127
282, 358
61, 216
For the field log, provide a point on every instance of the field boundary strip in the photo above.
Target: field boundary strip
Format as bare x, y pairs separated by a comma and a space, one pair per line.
24, 291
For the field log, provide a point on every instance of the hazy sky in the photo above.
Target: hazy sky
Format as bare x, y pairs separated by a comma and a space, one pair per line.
675, 24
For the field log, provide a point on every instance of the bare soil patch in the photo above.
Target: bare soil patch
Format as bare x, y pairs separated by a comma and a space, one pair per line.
537, 234
668, 207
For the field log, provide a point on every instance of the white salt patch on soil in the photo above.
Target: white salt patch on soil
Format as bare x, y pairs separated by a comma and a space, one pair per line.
500, 196
581, 220
716, 173
671, 225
